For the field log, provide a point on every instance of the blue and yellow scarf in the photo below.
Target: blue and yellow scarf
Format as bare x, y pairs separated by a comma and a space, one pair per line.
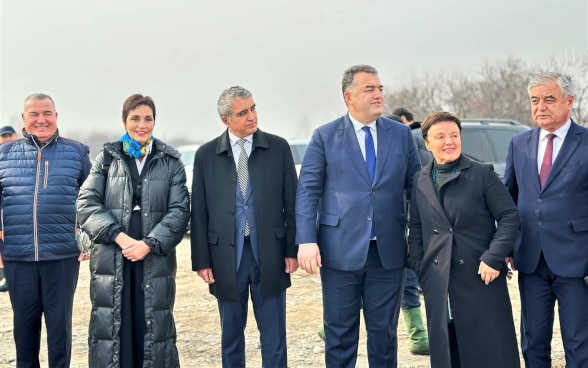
133, 148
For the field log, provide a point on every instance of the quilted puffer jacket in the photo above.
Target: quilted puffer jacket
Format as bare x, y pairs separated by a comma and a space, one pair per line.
39, 185
107, 202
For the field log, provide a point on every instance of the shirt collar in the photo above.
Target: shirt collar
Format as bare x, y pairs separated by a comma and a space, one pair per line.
233, 138
561, 132
358, 126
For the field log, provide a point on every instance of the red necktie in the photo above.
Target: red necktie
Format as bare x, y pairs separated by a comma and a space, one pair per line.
547, 160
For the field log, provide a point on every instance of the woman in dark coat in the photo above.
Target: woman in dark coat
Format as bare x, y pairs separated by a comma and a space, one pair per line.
135, 207
463, 224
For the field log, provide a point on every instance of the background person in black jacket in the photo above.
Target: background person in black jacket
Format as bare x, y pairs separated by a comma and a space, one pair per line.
40, 177
407, 118
411, 304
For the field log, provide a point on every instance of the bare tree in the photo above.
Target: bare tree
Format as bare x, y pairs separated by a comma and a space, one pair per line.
422, 97
464, 95
497, 90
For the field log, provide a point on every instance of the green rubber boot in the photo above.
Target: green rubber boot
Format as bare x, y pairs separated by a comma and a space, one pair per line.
419, 342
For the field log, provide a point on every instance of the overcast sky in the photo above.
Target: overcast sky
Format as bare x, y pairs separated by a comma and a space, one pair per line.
91, 55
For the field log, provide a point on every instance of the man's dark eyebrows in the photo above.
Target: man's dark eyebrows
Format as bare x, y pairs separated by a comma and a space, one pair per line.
252, 107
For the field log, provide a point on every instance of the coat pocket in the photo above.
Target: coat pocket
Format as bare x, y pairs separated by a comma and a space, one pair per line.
580, 225
280, 232
330, 220
212, 238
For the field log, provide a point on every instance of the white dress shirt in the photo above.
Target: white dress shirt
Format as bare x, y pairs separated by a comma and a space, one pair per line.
360, 134
560, 135
237, 148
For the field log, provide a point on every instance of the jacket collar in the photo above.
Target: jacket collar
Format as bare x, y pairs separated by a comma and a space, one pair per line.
425, 183
224, 143
33, 140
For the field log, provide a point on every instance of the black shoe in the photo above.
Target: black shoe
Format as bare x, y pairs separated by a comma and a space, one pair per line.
3, 286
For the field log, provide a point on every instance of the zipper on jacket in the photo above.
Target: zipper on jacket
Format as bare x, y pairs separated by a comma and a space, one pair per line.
35, 203
36, 194
46, 179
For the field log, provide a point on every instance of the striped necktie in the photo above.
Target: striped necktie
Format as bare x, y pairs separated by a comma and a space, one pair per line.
243, 175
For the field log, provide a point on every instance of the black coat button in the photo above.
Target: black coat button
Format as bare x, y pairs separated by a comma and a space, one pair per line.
435, 262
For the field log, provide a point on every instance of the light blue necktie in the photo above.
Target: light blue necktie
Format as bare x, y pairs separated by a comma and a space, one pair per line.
370, 161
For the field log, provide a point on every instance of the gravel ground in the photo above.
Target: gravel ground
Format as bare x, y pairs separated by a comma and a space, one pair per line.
197, 323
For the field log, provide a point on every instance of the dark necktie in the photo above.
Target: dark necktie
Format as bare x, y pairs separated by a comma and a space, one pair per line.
370, 152
243, 175
370, 161
547, 160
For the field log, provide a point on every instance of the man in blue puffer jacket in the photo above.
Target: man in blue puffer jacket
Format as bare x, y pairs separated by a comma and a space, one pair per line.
40, 177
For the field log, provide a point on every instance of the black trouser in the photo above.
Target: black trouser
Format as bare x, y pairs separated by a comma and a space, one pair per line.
38, 288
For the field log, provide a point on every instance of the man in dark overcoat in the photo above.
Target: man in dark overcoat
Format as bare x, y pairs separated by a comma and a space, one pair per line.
243, 228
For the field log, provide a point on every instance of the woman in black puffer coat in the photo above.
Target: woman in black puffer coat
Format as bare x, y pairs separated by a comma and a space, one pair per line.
135, 207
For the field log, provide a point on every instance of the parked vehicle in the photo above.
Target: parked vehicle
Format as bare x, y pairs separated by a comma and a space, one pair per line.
188, 152
487, 140
298, 147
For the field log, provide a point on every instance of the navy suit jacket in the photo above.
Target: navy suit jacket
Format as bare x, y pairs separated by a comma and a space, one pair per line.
336, 199
553, 219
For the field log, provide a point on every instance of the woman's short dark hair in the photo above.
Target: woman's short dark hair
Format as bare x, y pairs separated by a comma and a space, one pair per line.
134, 102
437, 117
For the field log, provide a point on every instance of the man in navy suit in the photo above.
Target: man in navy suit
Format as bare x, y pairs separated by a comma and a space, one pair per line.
351, 220
547, 175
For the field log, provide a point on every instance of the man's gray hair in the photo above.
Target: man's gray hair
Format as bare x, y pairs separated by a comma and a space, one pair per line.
350, 72
224, 105
564, 82
40, 96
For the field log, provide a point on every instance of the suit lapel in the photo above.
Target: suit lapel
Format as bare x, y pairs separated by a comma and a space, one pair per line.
425, 183
532, 149
383, 148
351, 146
568, 147
224, 144
258, 145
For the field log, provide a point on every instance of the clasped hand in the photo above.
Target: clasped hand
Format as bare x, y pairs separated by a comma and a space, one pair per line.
132, 249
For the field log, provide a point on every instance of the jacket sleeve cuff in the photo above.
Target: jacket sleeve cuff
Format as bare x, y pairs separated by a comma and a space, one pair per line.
111, 233
493, 261
154, 245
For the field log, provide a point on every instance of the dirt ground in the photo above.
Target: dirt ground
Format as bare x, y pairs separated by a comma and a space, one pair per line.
197, 324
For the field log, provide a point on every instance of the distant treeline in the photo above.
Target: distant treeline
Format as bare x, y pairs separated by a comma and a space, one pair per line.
497, 90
